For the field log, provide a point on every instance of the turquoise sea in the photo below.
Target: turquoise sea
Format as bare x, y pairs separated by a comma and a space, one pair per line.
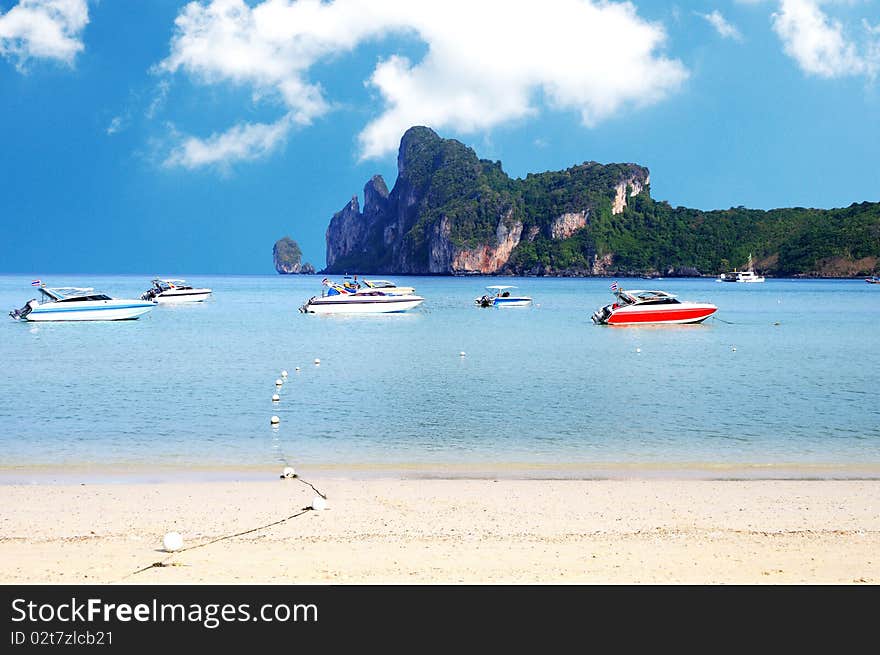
784, 383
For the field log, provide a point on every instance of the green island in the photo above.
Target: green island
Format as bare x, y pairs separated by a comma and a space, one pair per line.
453, 213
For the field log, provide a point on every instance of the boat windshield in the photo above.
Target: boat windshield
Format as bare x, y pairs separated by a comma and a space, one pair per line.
380, 284
165, 285
643, 297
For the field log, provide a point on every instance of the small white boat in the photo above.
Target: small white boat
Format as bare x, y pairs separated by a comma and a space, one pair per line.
747, 275
336, 299
80, 304
174, 291
500, 296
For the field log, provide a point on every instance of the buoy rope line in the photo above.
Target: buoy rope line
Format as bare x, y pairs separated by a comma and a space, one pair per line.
314, 488
164, 562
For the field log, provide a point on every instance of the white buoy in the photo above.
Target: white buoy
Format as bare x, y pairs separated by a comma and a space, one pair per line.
638, 350
284, 373
288, 472
733, 348
279, 382
275, 420
461, 354
319, 503
296, 369
317, 361
275, 397
172, 542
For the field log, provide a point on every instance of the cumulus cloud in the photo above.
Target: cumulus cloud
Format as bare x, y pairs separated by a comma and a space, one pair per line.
724, 29
244, 142
43, 29
819, 44
486, 63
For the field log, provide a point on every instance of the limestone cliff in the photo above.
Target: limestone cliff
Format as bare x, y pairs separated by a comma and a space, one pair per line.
453, 213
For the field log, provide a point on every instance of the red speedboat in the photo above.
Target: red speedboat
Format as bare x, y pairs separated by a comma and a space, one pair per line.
639, 307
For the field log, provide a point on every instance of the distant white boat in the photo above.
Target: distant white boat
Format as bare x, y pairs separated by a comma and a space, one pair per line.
174, 291
499, 296
80, 304
336, 299
747, 275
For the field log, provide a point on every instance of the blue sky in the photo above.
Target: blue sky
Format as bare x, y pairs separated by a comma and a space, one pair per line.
156, 138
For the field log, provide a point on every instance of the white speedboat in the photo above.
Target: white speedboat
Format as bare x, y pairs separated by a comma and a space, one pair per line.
747, 275
500, 296
80, 304
171, 291
336, 299
640, 307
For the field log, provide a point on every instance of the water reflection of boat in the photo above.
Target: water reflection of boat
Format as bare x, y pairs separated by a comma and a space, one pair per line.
80, 304
500, 296
650, 307
336, 299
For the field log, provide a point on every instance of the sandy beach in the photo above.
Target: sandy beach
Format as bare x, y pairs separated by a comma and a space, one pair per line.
447, 531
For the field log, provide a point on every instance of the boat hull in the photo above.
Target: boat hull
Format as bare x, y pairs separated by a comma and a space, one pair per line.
681, 314
356, 304
512, 302
180, 297
106, 310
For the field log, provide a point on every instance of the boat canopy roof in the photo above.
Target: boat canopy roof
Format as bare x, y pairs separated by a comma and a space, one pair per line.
58, 293
376, 284
72, 294
501, 286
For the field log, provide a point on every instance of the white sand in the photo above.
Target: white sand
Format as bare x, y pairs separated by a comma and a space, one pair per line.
472, 531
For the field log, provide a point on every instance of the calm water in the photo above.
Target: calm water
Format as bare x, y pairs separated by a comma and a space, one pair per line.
189, 388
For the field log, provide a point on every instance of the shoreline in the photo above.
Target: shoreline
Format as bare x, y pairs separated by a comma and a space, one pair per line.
389, 530
136, 473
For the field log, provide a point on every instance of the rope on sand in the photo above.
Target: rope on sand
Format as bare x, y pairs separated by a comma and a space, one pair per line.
166, 562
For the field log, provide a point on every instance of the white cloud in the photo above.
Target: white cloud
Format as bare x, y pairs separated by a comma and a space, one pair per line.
116, 125
818, 43
724, 29
159, 98
486, 62
43, 29
243, 142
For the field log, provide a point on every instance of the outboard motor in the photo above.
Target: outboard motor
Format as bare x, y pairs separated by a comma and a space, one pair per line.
19, 314
600, 316
485, 301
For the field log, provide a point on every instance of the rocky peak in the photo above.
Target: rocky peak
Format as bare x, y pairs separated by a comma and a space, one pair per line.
287, 256
375, 196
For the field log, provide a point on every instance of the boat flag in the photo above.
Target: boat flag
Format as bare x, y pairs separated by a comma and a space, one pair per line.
614, 286
36, 283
